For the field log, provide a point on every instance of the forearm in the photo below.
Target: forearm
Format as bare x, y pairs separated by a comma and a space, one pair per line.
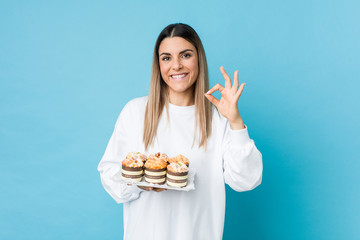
242, 161
237, 123
120, 192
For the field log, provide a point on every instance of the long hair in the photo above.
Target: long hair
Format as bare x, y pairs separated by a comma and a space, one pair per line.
157, 102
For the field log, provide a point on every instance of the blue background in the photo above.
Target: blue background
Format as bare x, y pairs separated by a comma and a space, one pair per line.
68, 68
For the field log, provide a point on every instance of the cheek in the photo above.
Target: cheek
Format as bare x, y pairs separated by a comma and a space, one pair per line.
195, 68
163, 70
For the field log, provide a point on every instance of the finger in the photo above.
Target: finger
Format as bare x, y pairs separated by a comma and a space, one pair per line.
145, 188
159, 189
212, 99
226, 77
241, 88
236, 81
217, 87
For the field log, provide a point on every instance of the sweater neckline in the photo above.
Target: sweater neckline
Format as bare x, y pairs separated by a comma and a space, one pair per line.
181, 109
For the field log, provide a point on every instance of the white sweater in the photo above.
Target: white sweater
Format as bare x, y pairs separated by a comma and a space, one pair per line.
231, 157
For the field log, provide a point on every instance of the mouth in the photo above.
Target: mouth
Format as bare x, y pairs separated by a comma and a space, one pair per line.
180, 76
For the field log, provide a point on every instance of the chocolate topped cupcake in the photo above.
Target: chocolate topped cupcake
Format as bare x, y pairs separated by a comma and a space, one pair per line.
155, 168
177, 174
132, 169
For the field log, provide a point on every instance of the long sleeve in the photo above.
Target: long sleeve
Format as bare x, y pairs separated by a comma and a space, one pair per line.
242, 161
110, 163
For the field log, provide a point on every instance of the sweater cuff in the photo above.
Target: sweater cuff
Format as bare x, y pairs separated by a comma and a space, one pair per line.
135, 190
240, 136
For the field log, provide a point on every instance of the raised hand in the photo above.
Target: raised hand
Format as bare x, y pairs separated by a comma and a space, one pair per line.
230, 95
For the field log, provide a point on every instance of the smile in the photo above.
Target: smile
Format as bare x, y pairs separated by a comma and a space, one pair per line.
179, 76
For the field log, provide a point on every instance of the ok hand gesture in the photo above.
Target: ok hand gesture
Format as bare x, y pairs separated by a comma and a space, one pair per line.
230, 95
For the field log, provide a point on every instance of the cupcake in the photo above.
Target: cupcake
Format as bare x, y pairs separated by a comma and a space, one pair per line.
137, 155
177, 174
132, 169
179, 158
159, 156
155, 168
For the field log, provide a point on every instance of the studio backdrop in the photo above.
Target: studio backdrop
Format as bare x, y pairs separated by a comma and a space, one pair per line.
67, 68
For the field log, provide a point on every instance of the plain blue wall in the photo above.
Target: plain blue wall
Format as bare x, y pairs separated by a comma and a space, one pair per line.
68, 68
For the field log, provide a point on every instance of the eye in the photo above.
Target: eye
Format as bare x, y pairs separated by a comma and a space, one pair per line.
187, 55
165, 58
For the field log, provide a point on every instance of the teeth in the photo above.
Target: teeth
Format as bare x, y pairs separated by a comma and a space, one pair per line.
178, 76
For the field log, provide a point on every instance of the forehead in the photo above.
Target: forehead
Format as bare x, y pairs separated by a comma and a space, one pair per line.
175, 45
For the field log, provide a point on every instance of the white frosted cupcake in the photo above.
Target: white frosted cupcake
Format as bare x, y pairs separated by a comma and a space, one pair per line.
132, 169
137, 155
179, 158
158, 156
177, 174
155, 168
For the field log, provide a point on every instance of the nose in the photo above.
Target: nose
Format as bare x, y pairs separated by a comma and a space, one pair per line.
177, 65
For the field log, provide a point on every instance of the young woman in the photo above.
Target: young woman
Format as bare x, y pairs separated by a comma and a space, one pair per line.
180, 116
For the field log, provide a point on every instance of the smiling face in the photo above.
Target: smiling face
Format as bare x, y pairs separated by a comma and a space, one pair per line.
178, 61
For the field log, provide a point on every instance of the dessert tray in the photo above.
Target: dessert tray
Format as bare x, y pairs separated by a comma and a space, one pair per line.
190, 182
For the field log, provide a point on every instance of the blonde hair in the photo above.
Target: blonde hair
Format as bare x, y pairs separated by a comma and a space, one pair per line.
157, 102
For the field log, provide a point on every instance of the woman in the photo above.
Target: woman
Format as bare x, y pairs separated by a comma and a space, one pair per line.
175, 119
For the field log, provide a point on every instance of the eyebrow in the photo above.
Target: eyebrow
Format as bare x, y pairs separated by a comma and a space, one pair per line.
180, 52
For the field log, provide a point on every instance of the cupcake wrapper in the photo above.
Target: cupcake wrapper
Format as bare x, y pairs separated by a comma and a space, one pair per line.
132, 168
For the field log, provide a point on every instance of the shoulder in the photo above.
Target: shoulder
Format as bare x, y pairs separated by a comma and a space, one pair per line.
135, 105
219, 122
139, 102
133, 110
217, 118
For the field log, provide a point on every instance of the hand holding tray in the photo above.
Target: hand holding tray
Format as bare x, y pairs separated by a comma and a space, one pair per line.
190, 182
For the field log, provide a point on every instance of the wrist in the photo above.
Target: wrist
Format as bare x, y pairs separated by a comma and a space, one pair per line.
237, 124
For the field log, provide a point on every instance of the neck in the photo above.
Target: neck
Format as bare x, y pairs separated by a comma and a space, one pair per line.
182, 99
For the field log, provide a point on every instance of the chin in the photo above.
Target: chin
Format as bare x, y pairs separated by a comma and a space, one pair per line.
180, 89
